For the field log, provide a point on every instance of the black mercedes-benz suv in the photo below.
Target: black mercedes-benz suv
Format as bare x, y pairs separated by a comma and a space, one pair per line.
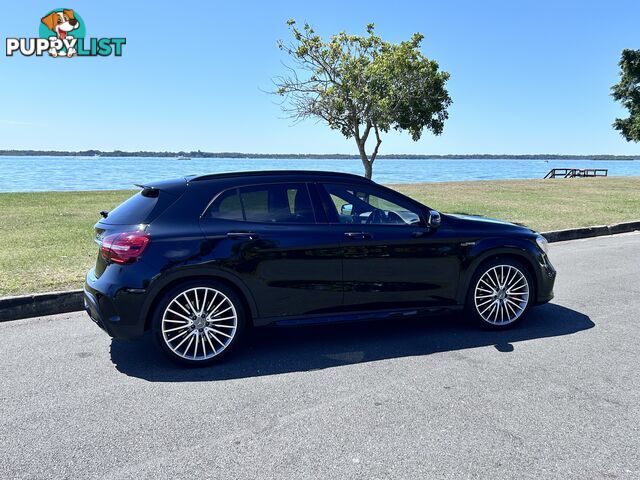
197, 260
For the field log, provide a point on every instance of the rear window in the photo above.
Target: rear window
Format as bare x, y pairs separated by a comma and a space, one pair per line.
141, 208
273, 203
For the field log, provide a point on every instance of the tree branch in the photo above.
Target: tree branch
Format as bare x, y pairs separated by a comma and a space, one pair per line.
367, 129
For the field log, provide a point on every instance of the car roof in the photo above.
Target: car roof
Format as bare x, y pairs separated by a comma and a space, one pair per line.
299, 174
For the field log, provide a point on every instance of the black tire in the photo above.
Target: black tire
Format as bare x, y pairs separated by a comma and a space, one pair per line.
490, 317
196, 290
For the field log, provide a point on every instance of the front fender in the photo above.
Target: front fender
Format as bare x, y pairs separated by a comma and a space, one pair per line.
518, 248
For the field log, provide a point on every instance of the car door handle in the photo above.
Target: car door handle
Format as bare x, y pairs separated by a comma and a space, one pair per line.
248, 235
356, 235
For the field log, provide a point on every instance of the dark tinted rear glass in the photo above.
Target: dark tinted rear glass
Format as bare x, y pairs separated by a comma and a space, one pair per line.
141, 208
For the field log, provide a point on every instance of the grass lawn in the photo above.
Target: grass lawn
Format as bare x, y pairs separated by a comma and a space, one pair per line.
543, 205
46, 239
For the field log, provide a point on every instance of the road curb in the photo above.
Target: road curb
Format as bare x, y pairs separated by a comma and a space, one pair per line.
587, 232
40, 304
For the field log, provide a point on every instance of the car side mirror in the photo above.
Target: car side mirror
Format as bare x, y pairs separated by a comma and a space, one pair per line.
346, 209
433, 219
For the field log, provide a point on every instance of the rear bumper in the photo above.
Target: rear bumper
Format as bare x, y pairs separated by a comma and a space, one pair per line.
114, 309
91, 307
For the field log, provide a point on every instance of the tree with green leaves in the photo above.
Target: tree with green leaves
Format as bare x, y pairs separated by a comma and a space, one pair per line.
627, 92
363, 86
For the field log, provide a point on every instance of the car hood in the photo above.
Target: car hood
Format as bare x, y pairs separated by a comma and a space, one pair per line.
484, 223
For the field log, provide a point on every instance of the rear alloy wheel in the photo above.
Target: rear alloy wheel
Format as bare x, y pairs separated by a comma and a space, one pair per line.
198, 324
500, 294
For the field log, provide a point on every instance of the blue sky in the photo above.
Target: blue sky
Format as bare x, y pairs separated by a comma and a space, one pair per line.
526, 76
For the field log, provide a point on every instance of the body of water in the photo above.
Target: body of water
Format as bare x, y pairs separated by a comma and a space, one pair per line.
26, 174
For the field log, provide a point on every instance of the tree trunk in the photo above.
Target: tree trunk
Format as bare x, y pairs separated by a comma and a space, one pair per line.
368, 169
368, 165
361, 141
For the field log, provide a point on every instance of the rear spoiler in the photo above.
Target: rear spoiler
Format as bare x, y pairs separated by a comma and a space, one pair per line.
148, 190
174, 187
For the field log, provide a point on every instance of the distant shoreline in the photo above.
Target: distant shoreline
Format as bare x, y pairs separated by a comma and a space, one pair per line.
310, 156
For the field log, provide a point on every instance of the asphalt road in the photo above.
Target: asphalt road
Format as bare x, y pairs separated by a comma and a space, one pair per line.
556, 397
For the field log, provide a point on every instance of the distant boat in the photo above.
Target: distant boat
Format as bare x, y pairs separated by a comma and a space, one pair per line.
183, 158
96, 155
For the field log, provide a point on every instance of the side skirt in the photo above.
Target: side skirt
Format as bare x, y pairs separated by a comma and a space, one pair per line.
320, 319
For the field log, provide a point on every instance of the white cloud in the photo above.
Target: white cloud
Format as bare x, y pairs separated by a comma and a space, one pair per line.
21, 123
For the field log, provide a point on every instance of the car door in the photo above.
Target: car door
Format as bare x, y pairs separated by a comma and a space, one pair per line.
391, 258
268, 236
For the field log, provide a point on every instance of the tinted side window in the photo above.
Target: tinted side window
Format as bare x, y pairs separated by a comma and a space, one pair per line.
371, 206
280, 203
227, 206
255, 201
272, 203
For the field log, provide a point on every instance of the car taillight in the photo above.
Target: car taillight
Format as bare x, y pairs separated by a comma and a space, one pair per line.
123, 247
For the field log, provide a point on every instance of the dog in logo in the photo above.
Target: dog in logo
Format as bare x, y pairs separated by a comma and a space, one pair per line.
62, 23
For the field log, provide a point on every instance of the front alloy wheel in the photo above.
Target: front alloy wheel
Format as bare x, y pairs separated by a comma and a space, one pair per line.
198, 323
501, 294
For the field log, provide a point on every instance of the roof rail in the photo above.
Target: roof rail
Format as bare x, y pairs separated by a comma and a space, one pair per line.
257, 173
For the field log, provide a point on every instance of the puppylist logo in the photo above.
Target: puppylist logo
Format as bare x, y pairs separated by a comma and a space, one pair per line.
62, 34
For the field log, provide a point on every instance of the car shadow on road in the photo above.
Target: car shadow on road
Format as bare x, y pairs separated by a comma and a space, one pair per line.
270, 351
